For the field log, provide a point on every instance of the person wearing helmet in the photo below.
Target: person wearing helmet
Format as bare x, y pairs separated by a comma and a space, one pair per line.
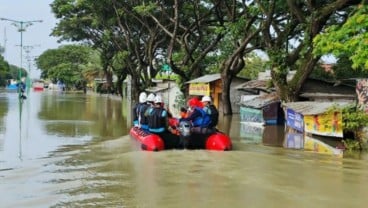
198, 118
150, 99
139, 119
157, 117
158, 124
211, 110
149, 104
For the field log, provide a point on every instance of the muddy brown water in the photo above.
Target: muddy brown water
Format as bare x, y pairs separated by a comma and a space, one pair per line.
72, 150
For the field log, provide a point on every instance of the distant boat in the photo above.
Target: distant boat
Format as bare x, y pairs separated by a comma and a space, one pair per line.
12, 88
38, 86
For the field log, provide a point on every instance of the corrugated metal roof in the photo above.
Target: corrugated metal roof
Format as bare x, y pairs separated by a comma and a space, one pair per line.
156, 89
255, 84
206, 78
261, 101
327, 95
314, 108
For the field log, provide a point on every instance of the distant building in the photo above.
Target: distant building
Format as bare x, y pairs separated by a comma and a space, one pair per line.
305, 121
170, 93
318, 90
211, 85
263, 109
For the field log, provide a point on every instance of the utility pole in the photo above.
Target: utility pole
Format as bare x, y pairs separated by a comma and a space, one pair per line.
27, 50
21, 26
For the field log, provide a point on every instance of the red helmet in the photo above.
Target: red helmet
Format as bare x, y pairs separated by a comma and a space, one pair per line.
195, 102
192, 102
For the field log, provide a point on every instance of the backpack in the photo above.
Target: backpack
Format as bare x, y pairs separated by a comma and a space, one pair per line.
214, 115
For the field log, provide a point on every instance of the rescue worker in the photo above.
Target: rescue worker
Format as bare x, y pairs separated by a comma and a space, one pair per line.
157, 117
199, 119
158, 124
151, 99
211, 110
150, 103
139, 109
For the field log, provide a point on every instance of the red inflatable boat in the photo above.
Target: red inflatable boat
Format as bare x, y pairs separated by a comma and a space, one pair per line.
154, 142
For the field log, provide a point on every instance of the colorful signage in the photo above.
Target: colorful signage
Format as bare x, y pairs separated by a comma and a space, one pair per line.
328, 124
362, 92
294, 120
199, 89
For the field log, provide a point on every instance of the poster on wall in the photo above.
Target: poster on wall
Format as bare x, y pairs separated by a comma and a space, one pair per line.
362, 93
294, 120
328, 124
199, 89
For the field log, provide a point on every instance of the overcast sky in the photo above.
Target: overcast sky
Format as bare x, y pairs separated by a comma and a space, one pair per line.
36, 36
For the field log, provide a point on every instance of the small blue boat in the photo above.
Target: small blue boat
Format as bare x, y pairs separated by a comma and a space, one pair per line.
12, 88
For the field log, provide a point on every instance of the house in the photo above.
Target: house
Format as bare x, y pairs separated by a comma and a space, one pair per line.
259, 103
323, 91
211, 85
308, 120
264, 109
170, 93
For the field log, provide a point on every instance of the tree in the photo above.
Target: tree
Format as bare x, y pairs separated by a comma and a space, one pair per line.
4, 71
112, 27
79, 22
68, 64
349, 39
206, 35
191, 28
343, 69
14, 72
288, 34
242, 38
253, 65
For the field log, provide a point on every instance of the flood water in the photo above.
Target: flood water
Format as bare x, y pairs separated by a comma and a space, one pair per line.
70, 150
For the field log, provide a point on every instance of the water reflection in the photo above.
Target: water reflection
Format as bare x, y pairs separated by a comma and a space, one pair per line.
77, 154
276, 136
3, 112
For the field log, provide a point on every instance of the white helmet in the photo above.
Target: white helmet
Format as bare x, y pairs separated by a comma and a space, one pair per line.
142, 97
158, 99
151, 97
206, 99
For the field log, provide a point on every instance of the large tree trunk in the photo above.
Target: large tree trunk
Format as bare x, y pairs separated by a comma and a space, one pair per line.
226, 104
135, 90
289, 90
119, 84
109, 84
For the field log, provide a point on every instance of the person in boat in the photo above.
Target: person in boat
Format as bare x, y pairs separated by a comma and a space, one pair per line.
158, 123
183, 112
199, 119
157, 117
149, 104
150, 99
211, 110
138, 111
